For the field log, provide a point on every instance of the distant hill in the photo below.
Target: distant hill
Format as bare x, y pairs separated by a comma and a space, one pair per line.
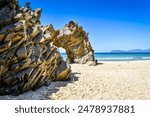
117, 51
135, 50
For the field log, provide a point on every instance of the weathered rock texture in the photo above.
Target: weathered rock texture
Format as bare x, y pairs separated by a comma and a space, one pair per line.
76, 43
28, 58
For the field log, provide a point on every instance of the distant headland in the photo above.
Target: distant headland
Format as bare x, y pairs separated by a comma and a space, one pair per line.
130, 51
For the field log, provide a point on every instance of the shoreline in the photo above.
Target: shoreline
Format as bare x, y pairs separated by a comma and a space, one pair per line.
122, 61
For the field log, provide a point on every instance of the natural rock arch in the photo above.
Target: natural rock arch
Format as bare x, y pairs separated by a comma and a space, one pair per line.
29, 57
76, 43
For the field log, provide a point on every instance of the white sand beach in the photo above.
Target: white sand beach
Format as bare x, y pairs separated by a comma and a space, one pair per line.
110, 80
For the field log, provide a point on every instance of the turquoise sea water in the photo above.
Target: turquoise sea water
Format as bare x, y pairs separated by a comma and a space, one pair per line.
122, 56
119, 56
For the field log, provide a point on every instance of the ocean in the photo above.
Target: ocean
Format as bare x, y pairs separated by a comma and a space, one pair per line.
119, 56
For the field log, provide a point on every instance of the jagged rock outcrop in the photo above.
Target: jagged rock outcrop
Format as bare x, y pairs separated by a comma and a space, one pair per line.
28, 58
76, 43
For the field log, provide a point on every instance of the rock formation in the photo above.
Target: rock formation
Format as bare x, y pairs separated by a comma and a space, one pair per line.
28, 58
76, 43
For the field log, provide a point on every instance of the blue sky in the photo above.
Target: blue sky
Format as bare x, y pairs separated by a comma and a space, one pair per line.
112, 24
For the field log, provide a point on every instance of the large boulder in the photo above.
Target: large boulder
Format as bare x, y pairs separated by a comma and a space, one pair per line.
76, 43
28, 58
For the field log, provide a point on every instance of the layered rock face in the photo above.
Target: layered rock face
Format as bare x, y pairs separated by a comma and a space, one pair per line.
76, 43
28, 58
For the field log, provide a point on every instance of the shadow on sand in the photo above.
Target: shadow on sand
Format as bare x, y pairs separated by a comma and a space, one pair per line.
42, 93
